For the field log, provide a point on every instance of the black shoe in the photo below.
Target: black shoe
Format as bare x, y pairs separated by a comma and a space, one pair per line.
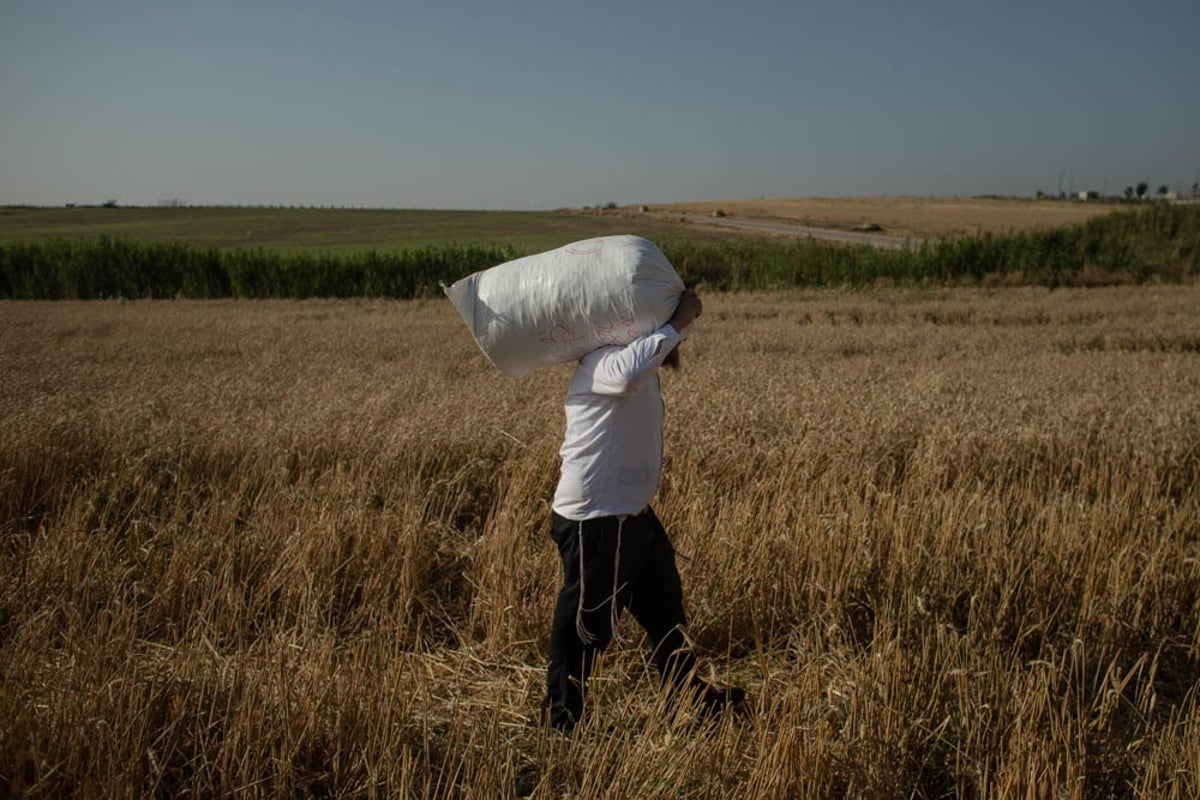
707, 699
713, 700
558, 717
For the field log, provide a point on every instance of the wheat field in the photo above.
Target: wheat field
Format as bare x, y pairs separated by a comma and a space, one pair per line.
949, 541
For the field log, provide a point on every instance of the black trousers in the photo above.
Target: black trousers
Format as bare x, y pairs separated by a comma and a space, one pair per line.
639, 575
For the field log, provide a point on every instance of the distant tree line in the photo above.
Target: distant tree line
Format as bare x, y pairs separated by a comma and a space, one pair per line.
1136, 192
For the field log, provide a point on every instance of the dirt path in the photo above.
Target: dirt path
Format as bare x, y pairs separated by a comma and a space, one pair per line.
852, 237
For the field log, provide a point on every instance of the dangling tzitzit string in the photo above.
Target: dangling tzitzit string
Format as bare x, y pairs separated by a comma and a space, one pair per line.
581, 630
586, 636
613, 608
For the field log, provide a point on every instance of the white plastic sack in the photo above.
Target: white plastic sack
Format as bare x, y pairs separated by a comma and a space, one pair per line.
556, 306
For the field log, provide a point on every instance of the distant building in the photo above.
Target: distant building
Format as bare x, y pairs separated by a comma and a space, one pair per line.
1089, 195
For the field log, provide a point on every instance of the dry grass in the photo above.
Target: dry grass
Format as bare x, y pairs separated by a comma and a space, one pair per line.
948, 541
910, 217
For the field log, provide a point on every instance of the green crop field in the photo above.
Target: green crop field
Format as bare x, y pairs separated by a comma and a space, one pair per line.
341, 231
141, 253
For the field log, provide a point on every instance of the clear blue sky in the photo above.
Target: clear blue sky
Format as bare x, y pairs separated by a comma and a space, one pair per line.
523, 105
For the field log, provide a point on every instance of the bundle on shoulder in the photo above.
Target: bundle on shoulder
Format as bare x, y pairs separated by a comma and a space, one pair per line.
559, 305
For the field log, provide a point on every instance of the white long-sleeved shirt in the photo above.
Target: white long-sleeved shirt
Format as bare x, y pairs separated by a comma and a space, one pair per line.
612, 451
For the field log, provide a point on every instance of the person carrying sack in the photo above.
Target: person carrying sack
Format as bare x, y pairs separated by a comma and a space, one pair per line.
615, 552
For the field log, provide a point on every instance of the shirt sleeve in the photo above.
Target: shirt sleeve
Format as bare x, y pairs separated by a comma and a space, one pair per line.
616, 370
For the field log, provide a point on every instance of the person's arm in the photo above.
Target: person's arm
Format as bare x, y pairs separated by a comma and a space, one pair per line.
619, 369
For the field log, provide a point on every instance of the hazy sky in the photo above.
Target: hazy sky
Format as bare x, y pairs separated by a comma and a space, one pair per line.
522, 105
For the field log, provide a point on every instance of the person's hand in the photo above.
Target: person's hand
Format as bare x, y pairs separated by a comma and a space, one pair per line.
688, 309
